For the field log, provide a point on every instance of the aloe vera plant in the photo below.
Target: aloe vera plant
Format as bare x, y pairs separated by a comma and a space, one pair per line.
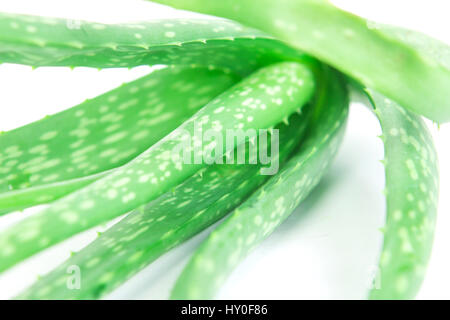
114, 155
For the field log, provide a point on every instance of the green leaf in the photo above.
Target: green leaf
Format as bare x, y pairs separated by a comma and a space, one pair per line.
61, 153
147, 233
258, 217
404, 68
411, 195
42, 41
23, 198
435, 52
258, 102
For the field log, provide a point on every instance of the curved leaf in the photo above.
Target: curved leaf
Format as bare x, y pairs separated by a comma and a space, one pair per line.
63, 152
42, 41
400, 68
258, 217
412, 188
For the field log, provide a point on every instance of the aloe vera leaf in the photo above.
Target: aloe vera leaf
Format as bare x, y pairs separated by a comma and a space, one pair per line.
21, 199
412, 183
408, 73
147, 233
45, 160
42, 41
258, 102
258, 217
435, 51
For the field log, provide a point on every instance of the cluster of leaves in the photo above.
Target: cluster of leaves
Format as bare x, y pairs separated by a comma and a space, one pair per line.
109, 156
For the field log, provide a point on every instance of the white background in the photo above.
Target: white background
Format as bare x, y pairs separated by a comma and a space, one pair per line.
326, 249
